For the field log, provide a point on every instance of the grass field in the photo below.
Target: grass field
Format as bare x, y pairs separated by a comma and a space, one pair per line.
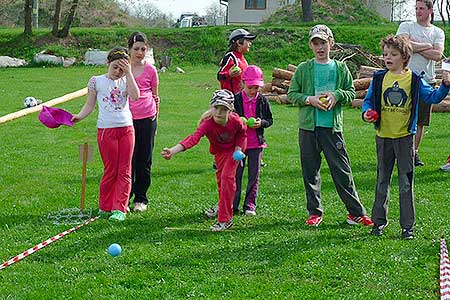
271, 256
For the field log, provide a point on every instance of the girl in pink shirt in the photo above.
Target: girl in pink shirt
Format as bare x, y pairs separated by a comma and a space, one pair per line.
145, 112
226, 133
251, 104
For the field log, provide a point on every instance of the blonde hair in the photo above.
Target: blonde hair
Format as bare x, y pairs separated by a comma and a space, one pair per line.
205, 116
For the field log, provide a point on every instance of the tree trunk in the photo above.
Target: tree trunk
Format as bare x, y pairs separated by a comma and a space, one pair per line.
65, 31
56, 17
28, 12
307, 11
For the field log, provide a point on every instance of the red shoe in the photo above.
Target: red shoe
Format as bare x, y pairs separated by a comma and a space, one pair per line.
314, 220
365, 220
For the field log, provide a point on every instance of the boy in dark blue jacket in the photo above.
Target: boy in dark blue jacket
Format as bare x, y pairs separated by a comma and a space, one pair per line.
392, 105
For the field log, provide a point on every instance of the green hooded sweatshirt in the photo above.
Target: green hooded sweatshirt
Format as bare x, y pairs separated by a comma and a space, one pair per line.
302, 86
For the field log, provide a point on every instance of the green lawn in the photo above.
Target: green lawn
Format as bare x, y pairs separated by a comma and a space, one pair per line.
271, 256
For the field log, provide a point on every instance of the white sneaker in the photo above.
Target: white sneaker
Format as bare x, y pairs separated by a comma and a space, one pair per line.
250, 212
212, 212
221, 226
446, 167
140, 207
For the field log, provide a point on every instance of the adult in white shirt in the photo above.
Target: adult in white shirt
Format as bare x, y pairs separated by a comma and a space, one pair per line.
427, 41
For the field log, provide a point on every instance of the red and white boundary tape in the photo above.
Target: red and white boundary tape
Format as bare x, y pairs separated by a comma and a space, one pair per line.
44, 244
444, 272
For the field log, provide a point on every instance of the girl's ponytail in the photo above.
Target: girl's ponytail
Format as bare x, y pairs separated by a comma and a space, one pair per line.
205, 116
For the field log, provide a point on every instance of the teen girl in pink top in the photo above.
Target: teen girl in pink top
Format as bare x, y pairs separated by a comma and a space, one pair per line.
145, 112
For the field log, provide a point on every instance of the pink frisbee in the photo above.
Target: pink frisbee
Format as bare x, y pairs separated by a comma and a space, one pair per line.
53, 117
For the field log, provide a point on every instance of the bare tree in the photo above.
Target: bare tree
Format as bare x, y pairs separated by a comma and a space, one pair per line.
214, 13
402, 10
307, 11
56, 17
447, 9
65, 31
444, 10
148, 13
28, 11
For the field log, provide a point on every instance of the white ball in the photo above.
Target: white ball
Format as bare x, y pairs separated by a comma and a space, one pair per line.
30, 102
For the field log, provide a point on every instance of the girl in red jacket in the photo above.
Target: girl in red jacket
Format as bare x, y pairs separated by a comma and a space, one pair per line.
233, 63
226, 134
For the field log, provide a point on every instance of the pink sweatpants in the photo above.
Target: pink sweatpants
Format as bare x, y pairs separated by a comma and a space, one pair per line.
226, 184
116, 149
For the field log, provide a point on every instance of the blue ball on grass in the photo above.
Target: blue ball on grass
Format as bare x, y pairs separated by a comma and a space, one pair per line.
114, 250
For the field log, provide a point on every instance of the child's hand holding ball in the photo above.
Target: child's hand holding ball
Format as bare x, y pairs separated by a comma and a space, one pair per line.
235, 71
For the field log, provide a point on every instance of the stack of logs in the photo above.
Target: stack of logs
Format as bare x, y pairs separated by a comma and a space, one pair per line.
276, 90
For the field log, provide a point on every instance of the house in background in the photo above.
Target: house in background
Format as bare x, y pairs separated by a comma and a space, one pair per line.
251, 11
255, 11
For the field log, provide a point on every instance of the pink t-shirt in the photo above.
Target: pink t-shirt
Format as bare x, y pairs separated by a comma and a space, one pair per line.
145, 106
222, 139
249, 106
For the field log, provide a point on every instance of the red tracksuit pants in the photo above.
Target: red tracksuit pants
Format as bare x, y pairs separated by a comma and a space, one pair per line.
116, 149
226, 184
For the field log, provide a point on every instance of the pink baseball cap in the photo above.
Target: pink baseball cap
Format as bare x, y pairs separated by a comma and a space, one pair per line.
53, 117
253, 75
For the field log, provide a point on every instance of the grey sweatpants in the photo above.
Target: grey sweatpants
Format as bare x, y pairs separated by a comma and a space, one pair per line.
388, 151
312, 143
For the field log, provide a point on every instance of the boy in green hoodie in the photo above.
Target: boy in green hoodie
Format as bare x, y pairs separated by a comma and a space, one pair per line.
320, 86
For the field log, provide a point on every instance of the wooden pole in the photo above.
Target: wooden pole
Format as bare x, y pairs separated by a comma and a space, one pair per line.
83, 176
27, 111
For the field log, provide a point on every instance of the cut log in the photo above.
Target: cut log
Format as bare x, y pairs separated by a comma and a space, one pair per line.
362, 84
366, 71
280, 99
357, 103
361, 94
280, 73
267, 88
278, 90
274, 98
281, 83
444, 106
291, 67
284, 99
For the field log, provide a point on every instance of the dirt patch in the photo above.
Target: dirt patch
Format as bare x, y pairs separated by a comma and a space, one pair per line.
51, 40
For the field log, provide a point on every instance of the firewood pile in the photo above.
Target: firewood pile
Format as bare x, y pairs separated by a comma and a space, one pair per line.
361, 64
352, 55
276, 90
